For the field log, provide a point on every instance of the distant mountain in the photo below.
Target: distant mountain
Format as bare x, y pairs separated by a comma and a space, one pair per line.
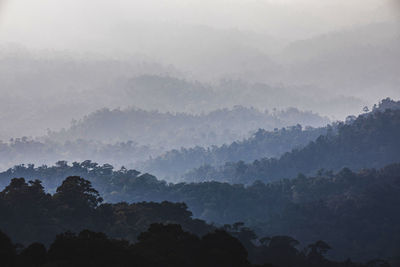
371, 140
173, 130
262, 143
43, 90
363, 60
170, 93
30, 151
48, 89
127, 137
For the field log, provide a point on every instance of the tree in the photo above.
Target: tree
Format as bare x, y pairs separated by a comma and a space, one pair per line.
77, 193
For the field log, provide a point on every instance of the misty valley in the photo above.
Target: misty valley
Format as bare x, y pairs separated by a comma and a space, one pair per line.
200, 133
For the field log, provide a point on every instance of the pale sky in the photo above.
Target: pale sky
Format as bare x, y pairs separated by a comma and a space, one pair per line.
61, 23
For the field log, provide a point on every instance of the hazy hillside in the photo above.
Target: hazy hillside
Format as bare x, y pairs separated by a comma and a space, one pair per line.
126, 137
74, 84
169, 93
173, 130
369, 141
47, 89
31, 151
262, 143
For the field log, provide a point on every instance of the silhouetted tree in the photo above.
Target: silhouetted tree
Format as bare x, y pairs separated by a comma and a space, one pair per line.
77, 193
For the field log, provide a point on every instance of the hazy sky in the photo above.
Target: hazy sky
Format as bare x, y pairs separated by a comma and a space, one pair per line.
72, 23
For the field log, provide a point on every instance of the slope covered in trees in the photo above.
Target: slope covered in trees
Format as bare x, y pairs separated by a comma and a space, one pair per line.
30, 215
138, 135
173, 163
354, 212
262, 143
173, 130
372, 140
39, 152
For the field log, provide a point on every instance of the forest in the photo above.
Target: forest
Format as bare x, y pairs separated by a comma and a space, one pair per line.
170, 130
130, 137
262, 144
370, 141
31, 216
283, 207
173, 164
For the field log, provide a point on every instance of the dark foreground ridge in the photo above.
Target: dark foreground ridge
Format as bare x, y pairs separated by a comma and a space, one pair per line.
142, 234
168, 245
356, 213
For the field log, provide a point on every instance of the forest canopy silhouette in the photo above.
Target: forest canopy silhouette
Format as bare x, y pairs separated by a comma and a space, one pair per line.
162, 233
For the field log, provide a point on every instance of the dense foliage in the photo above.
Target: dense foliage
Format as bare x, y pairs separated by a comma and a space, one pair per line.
168, 245
354, 212
372, 140
30, 215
